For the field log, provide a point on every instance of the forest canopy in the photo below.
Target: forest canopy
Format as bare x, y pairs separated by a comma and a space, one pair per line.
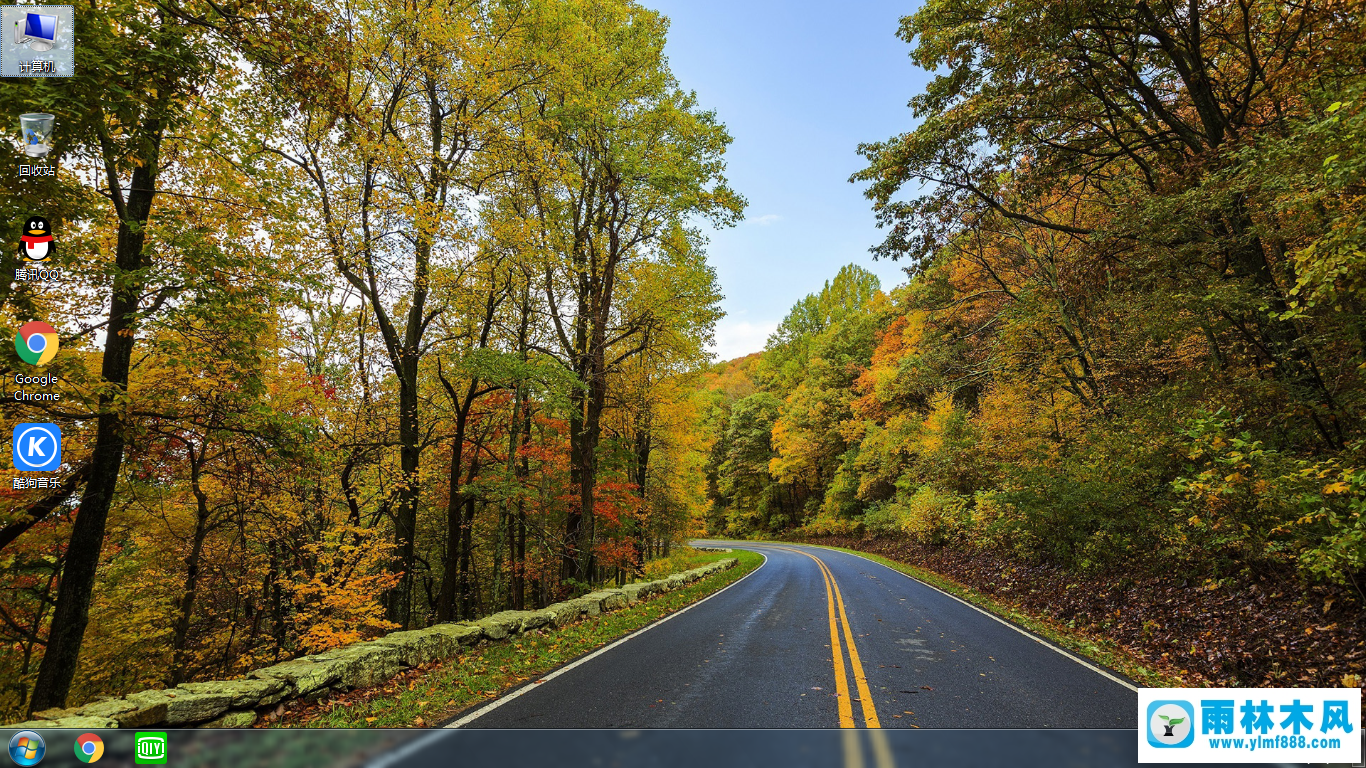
1132, 335
374, 315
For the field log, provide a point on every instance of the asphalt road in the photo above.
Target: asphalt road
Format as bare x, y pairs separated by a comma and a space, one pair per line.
759, 655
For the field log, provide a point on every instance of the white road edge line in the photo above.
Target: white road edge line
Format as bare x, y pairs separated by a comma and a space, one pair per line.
496, 703
1029, 635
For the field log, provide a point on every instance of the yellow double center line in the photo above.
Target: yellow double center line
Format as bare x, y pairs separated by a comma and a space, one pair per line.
834, 600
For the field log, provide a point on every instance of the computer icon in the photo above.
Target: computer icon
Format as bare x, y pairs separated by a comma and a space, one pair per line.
38, 31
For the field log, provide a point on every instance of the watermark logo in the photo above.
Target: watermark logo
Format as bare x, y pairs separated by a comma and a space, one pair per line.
1249, 725
1169, 724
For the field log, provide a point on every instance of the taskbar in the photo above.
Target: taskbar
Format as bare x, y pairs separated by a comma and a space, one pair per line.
647, 748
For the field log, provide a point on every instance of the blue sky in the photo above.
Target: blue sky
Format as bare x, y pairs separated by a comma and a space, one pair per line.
799, 84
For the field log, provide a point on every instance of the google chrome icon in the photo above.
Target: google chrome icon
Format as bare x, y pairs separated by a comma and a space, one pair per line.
89, 748
36, 343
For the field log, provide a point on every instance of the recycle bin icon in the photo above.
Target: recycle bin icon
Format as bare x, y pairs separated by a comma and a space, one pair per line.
36, 128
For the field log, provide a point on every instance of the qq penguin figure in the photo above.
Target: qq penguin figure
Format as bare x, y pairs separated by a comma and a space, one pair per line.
36, 240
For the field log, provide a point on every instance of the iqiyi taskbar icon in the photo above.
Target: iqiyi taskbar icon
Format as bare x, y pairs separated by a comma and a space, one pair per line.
37, 41
149, 748
37, 447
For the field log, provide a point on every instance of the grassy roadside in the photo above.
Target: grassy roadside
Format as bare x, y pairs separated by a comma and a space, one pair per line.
435, 693
682, 559
1097, 648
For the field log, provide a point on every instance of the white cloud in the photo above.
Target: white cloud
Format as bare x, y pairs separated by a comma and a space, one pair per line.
737, 338
766, 219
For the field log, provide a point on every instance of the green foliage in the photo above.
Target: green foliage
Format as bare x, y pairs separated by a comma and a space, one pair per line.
931, 516
790, 348
1339, 554
1317, 169
824, 525
744, 473
1237, 494
1245, 503
1114, 350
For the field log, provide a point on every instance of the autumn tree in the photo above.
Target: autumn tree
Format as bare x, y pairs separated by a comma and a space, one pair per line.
623, 159
393, 168
1139, 108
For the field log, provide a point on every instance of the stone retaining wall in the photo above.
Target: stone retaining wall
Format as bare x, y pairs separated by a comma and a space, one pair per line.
237, 703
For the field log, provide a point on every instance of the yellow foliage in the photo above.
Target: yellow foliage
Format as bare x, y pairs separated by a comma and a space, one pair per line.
338, 602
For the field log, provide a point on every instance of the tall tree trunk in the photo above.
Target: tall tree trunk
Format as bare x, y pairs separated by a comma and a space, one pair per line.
468, 600
580, 448
180, 657
523, 471
405, 513
643, 446
275, 595
446, 600
584, 447
586, 429
519, 574
453, 568
72, 611
519, 464
580, 476
506, 520
502, 544
405, 359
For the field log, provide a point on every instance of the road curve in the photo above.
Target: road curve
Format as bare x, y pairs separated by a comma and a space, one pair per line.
759, 655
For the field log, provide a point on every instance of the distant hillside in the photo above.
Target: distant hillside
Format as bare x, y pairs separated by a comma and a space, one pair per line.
733, 378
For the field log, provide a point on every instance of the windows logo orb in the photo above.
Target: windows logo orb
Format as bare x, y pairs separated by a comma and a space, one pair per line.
89, 748
26, 748
36, 343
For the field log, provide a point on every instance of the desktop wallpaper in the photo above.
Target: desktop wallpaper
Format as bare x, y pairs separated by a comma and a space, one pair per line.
378, 363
